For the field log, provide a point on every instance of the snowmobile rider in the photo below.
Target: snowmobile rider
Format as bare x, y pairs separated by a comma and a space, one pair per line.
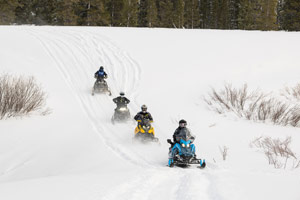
121, 100
100, 75
182, 124
143, 115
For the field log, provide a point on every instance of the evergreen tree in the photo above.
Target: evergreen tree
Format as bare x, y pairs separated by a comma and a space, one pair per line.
43, 11
24, 12
152, 14
290, 15
115, 9
143, 12
249, 14
7, 11
222, 14
130, 13
212, 9
233, 9
148, 13
165, 13
203, 14
258, 15
65, 12
269, 15
91, 13
192, 14
178, 13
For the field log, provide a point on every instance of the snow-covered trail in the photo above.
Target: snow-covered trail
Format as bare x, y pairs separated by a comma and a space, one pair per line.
124, 75
77, 153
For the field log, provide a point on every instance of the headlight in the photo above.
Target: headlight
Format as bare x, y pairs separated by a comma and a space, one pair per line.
123, 109
183, 145
188, 145
144, 127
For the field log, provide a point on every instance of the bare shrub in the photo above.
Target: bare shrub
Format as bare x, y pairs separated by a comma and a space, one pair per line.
224, 152
277, 151
254, 105
292, 92
19, 96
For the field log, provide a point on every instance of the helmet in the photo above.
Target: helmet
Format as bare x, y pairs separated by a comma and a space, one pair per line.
101, 68
182, 123
122, 93
144, 108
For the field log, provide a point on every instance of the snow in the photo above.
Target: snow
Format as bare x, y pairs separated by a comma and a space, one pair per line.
76, 153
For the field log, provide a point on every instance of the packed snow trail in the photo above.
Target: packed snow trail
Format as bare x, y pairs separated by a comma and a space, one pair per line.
63, 49
76, 152
123, 75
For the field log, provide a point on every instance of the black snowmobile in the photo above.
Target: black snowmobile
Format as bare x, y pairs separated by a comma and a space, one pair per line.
100, 86
121, 114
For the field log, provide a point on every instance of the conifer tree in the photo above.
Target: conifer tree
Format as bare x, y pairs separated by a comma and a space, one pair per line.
148, 13
165, 13
91, 13
178, 13
192, 14
152, 14
142, 14
203, 14
7, 11
222, 14
258, 15
42, 11
115, 9
130, 12
65, 12
233, 12
290, 15
269, 15
249, 14
24, 12
212, 19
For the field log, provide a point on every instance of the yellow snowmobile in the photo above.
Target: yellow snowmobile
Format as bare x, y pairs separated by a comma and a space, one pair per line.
144, 132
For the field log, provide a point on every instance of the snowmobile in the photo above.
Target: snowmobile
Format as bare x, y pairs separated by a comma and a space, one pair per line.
100, 86
121, 114
182, 153
144, 132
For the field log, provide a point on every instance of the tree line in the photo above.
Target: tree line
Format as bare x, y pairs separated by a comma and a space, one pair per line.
190, 14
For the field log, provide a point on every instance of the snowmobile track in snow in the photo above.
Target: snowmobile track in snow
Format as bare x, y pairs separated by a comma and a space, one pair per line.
99, 50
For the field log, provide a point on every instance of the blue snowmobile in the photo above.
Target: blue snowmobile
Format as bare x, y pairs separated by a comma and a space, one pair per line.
182, 152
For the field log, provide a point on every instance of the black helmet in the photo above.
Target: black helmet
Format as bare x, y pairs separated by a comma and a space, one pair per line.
122, 93
182, 123
101, 68
144, 107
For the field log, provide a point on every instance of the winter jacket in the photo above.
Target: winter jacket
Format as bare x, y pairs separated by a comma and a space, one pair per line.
100, 74
121, 101
141, 115
177, 133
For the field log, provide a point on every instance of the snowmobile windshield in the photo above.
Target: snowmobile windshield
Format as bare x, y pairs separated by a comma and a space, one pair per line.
145, 122
184, 134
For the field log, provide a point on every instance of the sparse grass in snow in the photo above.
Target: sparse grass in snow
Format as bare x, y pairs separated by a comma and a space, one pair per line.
254, 105
224, 152
292, 92
20, 96
277, 151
